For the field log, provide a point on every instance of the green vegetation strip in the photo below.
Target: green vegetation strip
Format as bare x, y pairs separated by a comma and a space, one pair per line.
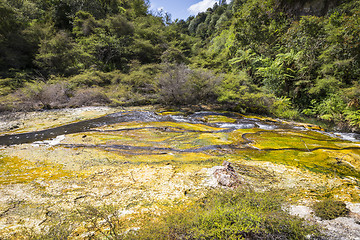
220, 214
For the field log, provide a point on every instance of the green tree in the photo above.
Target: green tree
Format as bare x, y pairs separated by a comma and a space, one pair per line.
58, 55
140, 7
13, 47
238, 92
283, 75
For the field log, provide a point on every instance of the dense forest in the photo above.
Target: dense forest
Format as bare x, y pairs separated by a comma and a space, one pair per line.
286, 58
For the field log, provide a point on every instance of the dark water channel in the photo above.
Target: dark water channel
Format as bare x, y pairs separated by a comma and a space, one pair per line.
82, 126
144, 116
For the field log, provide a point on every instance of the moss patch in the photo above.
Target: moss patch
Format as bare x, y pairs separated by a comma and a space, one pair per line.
15, 170
218, 119
319, 161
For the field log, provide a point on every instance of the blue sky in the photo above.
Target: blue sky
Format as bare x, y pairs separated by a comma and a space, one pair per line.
182, 9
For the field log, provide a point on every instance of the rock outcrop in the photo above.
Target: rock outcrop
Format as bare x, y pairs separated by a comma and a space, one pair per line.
306, 7
226, 176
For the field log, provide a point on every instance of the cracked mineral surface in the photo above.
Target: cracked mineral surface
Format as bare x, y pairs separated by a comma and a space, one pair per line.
144, 160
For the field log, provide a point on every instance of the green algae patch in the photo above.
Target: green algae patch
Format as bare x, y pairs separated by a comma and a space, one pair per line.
319, 161
16, 170
218, 119
237, 137
298, 124
150, 138
166, 135
140, 137
261, 118
300, 140
181, 160
184, 126
303, 183
306, 125
167, 113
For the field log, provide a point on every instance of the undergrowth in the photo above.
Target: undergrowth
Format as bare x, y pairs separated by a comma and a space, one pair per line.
230, 215
220, 214
329, 209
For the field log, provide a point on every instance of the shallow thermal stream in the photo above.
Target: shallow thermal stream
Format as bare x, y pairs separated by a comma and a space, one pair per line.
139, 160
146, 133
77, 127
230, 122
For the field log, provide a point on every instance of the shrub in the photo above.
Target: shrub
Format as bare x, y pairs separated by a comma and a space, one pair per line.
240, 94
102, 222
91, 78
180, 85
88, 97
136, 88
229, 214
173, 55
353, 117
331, 108
13, 81
330, 209
4, 90
283, 108
42, 95
173, 85
59, 229
142, 78
5, 108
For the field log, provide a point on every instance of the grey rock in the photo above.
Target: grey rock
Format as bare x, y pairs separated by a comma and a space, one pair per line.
226, 176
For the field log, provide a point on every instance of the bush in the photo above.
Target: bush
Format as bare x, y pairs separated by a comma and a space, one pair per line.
220, 214
58, 229
88, 97
94, 78
353, 117
173, 55
229, 214
180, 85
330, 209
141, 78
283, 108
136, 88
5, 108
102, 222
240, 94
44, 95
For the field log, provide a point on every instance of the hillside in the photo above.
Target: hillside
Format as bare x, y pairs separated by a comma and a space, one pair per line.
285, 58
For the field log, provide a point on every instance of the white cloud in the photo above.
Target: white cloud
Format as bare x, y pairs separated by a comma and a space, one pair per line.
201, 6
160, 9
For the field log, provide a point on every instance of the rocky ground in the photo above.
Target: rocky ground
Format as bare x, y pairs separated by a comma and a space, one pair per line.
147, 166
